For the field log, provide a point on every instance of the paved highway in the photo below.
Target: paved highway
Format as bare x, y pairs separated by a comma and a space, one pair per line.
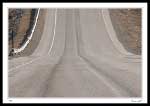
75, 58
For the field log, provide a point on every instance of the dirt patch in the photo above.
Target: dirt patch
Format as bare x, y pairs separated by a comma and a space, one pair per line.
127, 24
23, 27
36, 36
20, 22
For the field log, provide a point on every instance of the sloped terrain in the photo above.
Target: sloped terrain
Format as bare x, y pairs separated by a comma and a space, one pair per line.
19, 20
20, 25
127, 24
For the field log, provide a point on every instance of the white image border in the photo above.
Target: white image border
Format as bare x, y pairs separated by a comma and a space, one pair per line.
7, 99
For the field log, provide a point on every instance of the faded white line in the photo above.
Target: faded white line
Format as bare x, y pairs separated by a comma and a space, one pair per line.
113, 87
54, 31
25, 64
24, 47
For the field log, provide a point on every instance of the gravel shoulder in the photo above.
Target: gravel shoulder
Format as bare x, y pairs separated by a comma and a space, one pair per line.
127, 24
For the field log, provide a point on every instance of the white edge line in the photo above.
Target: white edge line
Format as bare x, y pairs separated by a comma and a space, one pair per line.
41, 56
53, 32
29, 38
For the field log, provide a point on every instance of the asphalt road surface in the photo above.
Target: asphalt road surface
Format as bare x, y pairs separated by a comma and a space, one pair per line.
75, 58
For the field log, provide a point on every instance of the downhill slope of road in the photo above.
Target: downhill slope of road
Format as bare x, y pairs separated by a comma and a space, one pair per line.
75, 58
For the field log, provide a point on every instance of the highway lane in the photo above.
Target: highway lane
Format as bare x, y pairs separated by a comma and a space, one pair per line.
82, 62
